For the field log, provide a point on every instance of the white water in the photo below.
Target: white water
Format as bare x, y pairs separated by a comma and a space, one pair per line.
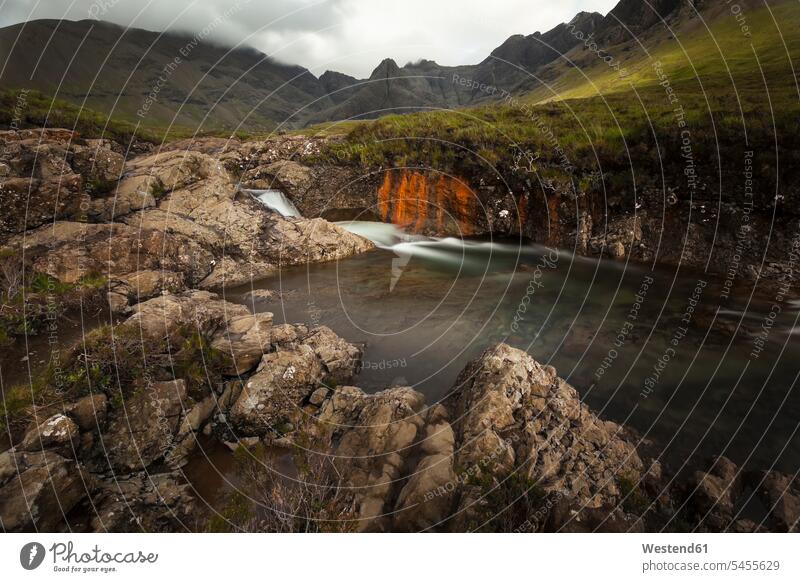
448, 251
277, 201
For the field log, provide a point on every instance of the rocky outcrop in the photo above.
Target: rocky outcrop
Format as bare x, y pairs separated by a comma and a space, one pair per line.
160, 222
99, 454
48, 175
408, 467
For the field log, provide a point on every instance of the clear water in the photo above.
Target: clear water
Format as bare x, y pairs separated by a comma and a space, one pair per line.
658, 350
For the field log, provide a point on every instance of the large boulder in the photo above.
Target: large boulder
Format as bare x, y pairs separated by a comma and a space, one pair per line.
514, 417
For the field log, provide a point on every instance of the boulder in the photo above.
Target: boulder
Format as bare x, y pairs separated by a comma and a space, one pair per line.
144, 428
377, 434
781, 495
44, 488
715, 492
272, 399
426, 499
340, 359
58, 432
514, 416
245, 338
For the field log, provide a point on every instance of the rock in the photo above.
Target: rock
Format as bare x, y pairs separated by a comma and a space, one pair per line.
58, 432
143, 503
512, 414
117, 302
377, 432
116, 250
318, 396
134, 193
427, 498
89, 412
8, 467
781, 495
47, 488
715, 492
144, 429
292, 177
616, 250
246, 442
273, 396
260, 295
340, 358
246, 338
199, 310
149, 283
286, 334
199, 413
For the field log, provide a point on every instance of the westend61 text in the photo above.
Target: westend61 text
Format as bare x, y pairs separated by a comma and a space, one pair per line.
673, 549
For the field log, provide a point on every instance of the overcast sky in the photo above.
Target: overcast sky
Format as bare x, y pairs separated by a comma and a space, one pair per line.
350, 36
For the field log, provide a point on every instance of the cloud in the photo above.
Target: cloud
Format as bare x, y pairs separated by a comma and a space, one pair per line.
350, 36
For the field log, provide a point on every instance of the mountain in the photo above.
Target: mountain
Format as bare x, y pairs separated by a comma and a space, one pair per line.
166, 78
115, 70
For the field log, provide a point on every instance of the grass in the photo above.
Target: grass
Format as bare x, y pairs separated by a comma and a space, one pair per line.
629, 130
717, 54
32, 110
116, 361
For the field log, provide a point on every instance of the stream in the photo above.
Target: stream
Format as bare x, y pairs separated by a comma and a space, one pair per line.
651, 348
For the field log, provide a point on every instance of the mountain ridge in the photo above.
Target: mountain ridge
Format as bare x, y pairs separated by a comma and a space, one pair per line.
103, 66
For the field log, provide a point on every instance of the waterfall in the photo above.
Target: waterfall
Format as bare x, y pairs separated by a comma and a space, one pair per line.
276, 201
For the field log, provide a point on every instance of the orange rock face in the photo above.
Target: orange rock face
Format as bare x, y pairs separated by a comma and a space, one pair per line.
412, 200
